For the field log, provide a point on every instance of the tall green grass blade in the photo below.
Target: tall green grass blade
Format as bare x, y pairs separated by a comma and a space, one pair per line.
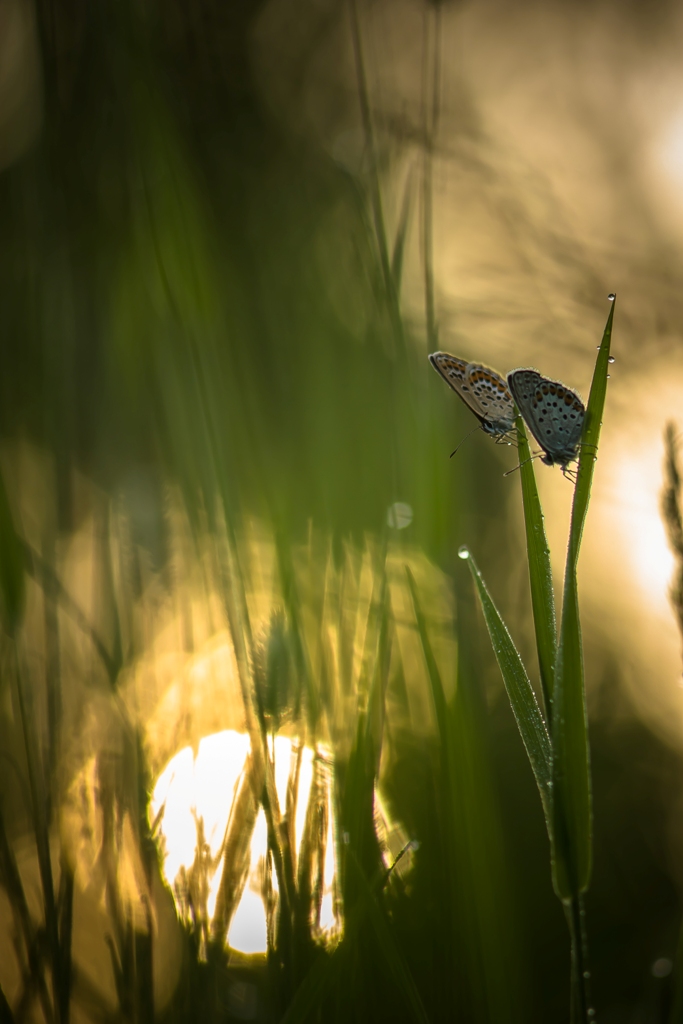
39, 570
375, 184
476, 895
572, 813
63, 984
438, 695
401, 234
328, 969
520, 692
302, 656
315, 986
579, 1008
388, 946
676, 1011
12, 582
39, 808
540, 572
589, 442
6, 1015
10, 879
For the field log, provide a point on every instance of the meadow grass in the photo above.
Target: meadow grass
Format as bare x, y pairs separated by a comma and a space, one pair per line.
276, 384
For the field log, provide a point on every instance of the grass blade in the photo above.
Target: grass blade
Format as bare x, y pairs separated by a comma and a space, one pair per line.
520, 692
432, 668
589, 442
388, 946
315, 986
6, 1015
540, 572
401, 234
477, 958
12, 582
572, 814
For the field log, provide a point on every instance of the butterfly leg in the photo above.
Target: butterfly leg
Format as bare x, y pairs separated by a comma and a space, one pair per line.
508, 439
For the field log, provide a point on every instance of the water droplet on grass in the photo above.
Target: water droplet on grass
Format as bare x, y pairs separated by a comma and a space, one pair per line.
611, 359
463, 551
611, 296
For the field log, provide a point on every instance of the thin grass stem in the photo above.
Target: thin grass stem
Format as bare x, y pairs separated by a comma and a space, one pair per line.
375, 185
37, 787
580, 1012
432, 109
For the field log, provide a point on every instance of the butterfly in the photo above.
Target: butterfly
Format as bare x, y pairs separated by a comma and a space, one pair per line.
553, 413
482, 390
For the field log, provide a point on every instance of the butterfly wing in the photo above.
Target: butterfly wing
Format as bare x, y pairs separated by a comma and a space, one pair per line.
482, 390
494, 399
553, 412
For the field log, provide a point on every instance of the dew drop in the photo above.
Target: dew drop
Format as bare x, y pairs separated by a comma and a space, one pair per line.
463, 551
611, 359
608, 376
611, 296
597, 347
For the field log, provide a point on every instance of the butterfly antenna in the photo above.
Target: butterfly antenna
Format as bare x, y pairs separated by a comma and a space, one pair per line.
463, 441
515, 468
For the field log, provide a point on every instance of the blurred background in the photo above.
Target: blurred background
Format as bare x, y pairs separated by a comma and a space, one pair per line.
230, 235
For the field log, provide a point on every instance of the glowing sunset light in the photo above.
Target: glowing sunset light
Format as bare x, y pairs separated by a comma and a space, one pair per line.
192, 803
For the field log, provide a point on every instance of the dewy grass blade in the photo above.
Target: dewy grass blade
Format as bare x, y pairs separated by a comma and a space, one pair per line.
572, 813
522, 698
589, 441
540, 572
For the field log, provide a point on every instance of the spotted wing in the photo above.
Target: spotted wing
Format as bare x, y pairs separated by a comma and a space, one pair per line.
553, 412
481, 389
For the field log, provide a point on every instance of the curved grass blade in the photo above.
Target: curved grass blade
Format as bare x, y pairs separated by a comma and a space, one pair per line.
572, 812
522, 698
540, 572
